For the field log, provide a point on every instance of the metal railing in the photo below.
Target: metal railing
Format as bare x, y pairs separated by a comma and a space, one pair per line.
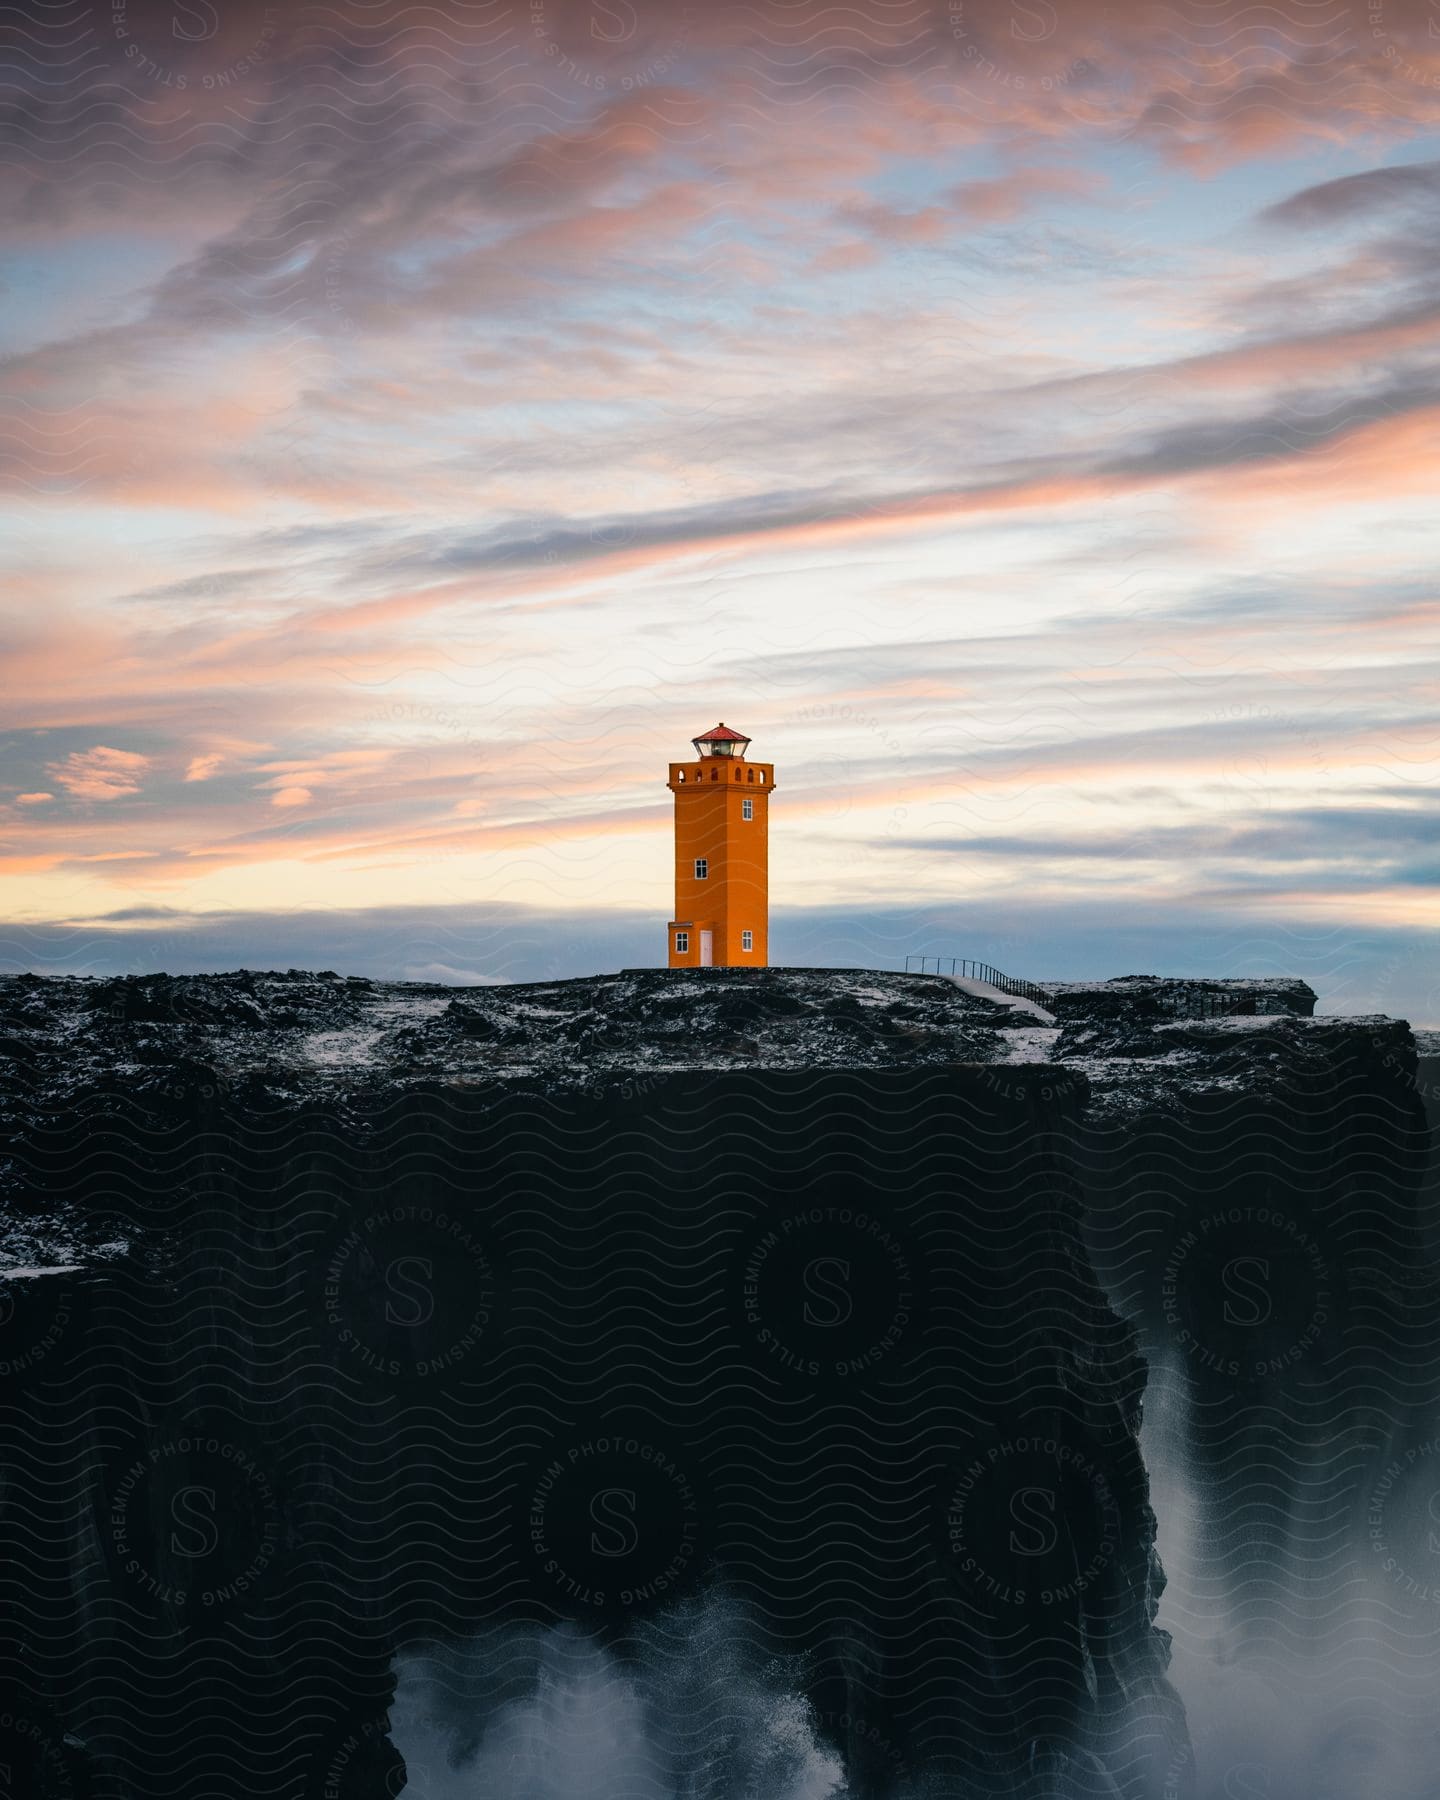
1206, 1003
976, 971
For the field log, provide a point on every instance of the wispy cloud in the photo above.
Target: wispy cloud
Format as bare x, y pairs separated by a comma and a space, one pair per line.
101, 773
1026, 423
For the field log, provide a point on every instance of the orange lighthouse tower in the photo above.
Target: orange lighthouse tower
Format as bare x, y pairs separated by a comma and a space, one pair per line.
722, 855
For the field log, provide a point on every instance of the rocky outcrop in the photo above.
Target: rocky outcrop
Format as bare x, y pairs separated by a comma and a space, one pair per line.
386, 1316
1159, 996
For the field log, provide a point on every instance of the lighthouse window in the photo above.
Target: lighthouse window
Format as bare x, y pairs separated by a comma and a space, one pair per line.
747, 940
747, 809
702, 868
749, 774
682, 943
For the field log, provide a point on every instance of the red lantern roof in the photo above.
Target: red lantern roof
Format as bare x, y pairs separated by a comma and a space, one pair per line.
721, 734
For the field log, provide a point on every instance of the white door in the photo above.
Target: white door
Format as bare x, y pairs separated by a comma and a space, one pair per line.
707, 949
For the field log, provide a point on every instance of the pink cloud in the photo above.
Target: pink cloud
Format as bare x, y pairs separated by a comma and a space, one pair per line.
32, 799
1007, 196
101, 773
926, 225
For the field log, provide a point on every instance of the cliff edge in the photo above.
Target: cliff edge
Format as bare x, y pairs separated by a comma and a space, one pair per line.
353, 1322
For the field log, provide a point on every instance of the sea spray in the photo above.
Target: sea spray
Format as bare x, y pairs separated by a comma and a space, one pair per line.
685, 1709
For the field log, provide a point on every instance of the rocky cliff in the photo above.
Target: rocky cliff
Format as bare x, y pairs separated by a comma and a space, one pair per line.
756, 1310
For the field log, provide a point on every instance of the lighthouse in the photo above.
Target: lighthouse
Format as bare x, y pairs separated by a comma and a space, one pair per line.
722, 859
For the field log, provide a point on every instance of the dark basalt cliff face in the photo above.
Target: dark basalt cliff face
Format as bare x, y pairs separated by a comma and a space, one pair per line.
1272, 1234
351, 1318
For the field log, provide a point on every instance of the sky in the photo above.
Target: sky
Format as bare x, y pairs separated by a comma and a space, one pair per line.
417, 422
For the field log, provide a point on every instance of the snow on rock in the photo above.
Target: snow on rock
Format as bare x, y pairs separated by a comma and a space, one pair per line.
185, 1043
1187, 996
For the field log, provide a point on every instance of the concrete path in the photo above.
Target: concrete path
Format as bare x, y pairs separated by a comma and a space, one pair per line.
987, 991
